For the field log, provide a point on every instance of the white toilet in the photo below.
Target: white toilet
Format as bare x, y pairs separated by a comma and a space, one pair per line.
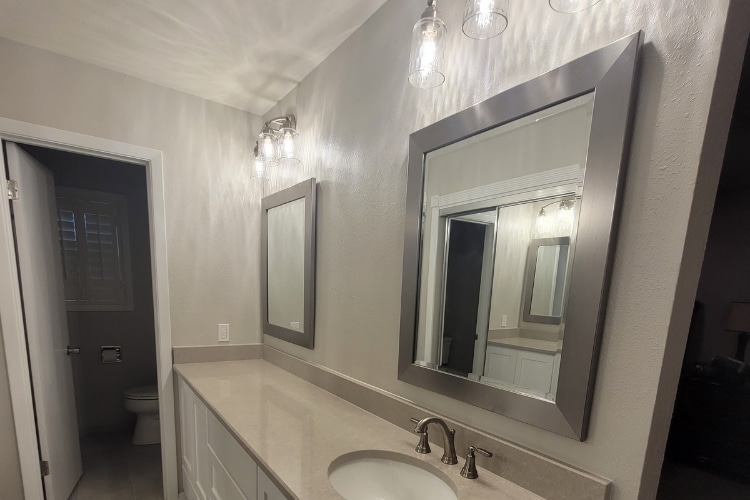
144, 402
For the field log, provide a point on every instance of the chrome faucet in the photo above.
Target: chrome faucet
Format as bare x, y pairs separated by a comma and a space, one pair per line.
449, 448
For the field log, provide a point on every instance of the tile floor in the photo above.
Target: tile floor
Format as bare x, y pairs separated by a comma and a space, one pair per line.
114, 469
684, 482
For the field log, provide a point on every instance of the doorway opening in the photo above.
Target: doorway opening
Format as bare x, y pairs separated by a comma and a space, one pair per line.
103, 230
37, 451
708, 449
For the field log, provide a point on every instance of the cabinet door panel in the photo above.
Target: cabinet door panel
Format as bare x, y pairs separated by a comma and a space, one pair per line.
187, 431
235, 460
196, 473
223, 487
534, 372
555, 376
202, 466
187, 484
267, 490
501, 364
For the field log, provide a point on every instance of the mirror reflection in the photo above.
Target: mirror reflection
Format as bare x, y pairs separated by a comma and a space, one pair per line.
500, 216
286, 265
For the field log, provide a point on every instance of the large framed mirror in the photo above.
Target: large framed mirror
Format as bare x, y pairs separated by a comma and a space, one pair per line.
288, 263
510, 227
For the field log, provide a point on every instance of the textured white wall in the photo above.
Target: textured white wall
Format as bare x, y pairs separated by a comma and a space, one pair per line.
211, 201
355, 112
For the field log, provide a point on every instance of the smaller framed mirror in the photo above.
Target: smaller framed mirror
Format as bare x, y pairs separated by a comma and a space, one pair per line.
288, 263
545, 280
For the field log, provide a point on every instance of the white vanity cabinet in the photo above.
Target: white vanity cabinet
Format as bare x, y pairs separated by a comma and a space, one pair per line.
530, 371
214, 465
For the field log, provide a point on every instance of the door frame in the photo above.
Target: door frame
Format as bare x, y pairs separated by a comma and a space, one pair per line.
11, 313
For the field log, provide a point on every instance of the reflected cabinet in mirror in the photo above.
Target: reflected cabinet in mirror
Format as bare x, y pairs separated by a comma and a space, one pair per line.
288, 264
511, 215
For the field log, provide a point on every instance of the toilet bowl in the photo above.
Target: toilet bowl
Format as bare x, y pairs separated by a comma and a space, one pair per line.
144, 402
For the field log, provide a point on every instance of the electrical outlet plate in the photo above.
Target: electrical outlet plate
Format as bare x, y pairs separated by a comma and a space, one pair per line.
223, 333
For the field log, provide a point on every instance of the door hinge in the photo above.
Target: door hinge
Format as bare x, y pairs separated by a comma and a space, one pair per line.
12, 190
44, 465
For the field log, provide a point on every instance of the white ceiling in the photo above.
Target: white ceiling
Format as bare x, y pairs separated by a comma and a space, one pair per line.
243, 53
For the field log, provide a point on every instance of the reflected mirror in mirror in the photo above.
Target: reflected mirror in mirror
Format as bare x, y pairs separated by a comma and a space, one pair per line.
546, 273
288, 263
500, 222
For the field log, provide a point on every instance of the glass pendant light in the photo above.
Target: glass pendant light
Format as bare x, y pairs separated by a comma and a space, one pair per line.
287, 138
485, 18
571, 6
427, 50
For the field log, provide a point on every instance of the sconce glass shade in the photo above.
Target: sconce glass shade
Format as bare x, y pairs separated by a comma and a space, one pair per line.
287, 150
260, 167
485, 18
427, 50
572, 6
267, 146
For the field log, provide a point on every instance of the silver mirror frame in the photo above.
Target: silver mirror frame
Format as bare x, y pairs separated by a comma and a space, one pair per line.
530, 277
610, 72
307, 190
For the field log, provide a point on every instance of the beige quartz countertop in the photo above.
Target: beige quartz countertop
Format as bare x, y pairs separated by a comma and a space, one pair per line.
294, 429
544, 346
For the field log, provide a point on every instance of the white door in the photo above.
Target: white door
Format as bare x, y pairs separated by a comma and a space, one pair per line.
40, 270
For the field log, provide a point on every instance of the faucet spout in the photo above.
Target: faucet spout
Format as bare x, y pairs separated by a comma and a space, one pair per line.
449, 447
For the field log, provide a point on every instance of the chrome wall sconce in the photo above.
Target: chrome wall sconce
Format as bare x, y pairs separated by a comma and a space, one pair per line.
276, 144
483, 19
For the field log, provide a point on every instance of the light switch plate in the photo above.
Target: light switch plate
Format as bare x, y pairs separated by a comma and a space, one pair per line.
223, 333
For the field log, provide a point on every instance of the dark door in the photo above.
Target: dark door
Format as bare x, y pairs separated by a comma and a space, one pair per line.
462, 283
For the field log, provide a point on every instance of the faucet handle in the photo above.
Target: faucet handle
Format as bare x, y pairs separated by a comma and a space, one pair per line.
423, 446
470, 468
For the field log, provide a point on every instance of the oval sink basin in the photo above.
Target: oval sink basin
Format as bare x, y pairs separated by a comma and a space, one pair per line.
385, 475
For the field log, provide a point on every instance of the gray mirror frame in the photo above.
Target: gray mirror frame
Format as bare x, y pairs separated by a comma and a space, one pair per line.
611, 72
307, 190
530, 275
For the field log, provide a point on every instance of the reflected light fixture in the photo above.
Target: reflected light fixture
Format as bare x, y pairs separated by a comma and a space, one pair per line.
276, 144
427, 49
572, 6
485, 18
556, 220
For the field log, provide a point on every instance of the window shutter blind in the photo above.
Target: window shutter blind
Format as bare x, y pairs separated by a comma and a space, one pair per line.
66, 225
93, 241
